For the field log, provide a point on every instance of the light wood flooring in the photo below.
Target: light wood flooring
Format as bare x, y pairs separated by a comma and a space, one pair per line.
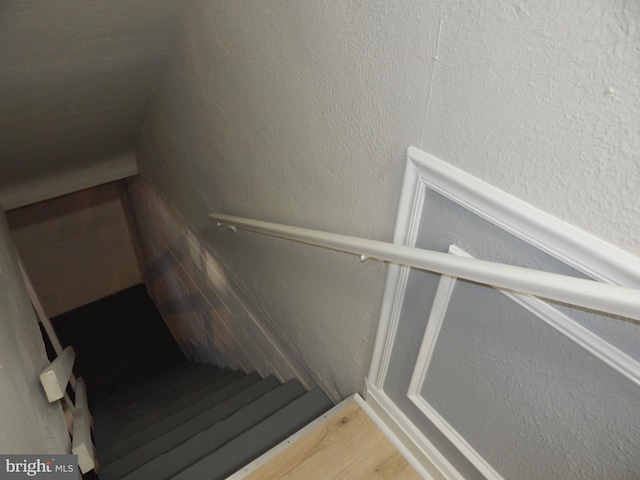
347, 446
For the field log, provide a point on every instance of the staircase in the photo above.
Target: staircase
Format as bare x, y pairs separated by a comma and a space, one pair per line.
198, 422
185, 421
194, 421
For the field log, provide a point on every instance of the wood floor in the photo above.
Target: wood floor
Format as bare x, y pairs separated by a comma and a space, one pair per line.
346, 446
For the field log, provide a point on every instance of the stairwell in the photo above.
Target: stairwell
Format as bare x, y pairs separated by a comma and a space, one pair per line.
198, 421
157, 415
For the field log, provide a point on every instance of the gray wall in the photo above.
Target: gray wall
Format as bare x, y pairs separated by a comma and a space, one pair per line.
28, 423
504, 379
301, 112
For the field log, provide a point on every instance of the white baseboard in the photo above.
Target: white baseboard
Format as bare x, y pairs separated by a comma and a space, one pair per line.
419, 451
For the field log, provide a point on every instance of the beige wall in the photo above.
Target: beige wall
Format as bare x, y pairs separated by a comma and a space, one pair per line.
76, 248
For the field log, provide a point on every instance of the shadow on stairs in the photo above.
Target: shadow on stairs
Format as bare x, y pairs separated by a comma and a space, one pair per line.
157, 416
198, 422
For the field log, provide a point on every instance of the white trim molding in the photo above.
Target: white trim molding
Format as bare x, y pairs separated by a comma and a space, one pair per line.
579, 249
575, 247
405, 233
408, 455
413, 440
455, 438
434, 324
615, 289
592, 343
604, 351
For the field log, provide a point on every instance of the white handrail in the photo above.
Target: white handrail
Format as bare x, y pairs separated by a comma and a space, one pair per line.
575, 291
82, 444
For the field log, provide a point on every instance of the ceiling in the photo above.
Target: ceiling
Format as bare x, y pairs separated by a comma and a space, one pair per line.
76, 78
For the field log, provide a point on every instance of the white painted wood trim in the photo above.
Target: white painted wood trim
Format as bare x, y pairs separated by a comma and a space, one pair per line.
575, 247
601, 349
455, 438
82, 444
579, 249
56, 185
405, 233
592, 343
419, 376
417, 444
55, 377
299, 435
434, 324
392, 302
395, 441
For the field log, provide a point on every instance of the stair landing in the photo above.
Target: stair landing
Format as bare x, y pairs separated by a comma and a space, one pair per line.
342, 444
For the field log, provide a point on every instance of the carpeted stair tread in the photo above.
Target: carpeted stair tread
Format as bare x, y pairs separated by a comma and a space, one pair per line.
150, 388
252, 443
142, 415
171, 393
225, 400
151, 447
209, 440
158, 377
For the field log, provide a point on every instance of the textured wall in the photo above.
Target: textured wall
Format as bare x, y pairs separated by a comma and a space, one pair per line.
503, 378
28, 423
301, 112
76, 79
541, 100
210, 318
